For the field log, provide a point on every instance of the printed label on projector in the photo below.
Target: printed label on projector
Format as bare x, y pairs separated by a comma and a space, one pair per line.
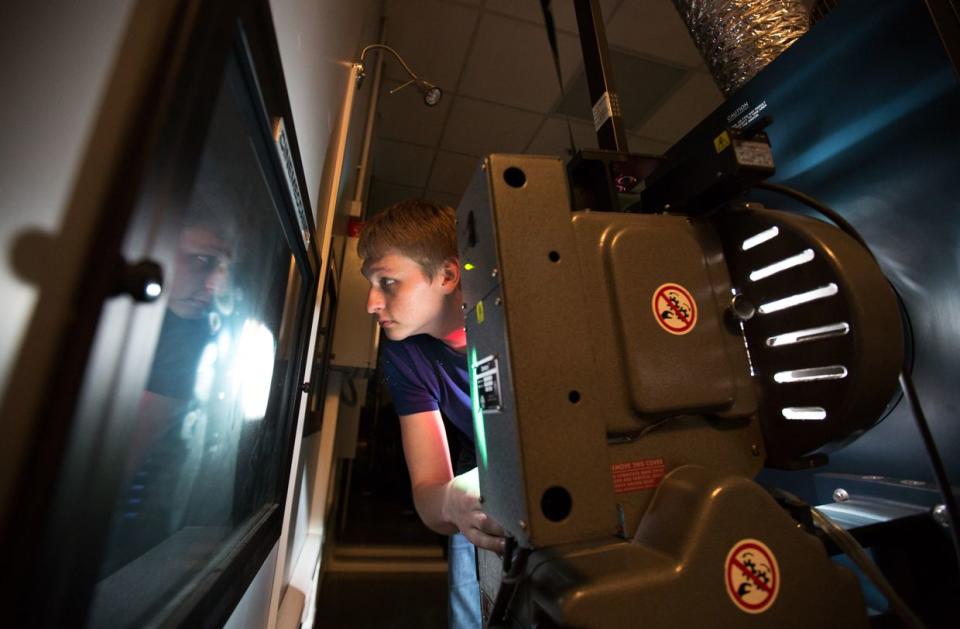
638, 475
486, 373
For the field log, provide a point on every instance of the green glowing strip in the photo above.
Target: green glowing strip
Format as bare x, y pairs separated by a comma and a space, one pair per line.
480, 435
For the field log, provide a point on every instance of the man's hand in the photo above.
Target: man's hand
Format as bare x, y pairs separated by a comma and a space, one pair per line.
446, 503
461, 506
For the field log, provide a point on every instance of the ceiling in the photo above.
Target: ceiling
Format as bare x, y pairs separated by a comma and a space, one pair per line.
501, 95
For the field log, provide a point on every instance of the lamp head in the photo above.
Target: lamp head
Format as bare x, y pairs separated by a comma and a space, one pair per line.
431, 93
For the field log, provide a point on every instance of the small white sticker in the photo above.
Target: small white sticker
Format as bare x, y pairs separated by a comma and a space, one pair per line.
604, 109
756, 154
289, 170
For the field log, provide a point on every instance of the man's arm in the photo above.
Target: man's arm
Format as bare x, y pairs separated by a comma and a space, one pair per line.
446, 503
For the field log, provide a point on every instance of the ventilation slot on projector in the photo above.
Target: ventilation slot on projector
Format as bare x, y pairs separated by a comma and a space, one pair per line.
810, 334
801, 298
760, 238
805, 413
782, 265
813, 374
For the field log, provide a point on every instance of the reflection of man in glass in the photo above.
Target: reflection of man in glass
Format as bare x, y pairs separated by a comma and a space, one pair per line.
200, 282
167, 449
203, 257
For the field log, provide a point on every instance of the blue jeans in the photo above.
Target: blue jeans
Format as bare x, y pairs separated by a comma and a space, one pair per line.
463, 611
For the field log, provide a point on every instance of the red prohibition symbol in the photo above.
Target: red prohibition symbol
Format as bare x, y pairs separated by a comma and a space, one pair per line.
752, 576
674, 308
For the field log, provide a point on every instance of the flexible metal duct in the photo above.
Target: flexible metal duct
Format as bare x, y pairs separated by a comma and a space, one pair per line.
737, 38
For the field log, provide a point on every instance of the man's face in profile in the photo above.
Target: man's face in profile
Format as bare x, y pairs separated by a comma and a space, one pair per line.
201, 272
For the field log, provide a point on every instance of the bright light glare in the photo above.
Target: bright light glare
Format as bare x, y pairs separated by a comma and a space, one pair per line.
833, 372
253, 368
224, 341
760, 238
153, 289
810, 334
805, 413
796, 300
479, 431
782, 265
206, 370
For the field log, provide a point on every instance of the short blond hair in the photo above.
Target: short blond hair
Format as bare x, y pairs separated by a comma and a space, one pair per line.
424, 231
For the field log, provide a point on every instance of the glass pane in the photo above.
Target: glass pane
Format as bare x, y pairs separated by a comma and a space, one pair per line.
194, 473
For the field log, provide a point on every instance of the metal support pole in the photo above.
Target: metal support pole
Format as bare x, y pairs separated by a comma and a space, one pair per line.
607, 119
363, 174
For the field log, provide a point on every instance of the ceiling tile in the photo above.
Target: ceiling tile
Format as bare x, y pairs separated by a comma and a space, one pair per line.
404, 116
511, 63
553, 138
445, 198
564, 16
478, 128
431, 36
383, 194
400, 162
683, 109
643, 144
642, 84
653, 27
452, 172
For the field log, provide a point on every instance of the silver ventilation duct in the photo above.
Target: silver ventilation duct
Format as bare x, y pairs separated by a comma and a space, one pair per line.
737, 38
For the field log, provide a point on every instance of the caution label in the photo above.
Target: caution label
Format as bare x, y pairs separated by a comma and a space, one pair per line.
637, 475
674, 308
721, 142
752, 576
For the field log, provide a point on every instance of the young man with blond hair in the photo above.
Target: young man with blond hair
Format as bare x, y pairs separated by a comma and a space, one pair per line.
409, 253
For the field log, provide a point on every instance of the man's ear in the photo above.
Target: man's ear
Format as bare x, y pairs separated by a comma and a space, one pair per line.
449, 273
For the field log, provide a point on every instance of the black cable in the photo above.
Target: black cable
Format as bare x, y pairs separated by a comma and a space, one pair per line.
820, 207
906, 381
811, 518
512, 573
949, 500
852, 548
909, 356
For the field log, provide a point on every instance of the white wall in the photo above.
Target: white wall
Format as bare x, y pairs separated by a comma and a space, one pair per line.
319, 42
58, 59
254, 608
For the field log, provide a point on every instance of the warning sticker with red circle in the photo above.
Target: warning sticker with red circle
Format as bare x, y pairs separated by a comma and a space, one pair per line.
674, 308
752, 576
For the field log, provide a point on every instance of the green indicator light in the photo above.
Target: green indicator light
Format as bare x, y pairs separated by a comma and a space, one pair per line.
468, 266
479, 434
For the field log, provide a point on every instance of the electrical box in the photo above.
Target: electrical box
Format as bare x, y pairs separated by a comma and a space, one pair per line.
357, 334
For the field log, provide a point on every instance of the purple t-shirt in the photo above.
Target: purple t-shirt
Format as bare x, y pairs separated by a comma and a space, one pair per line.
425, 374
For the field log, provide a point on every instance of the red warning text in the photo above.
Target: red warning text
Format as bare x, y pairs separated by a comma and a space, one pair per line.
637, 475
